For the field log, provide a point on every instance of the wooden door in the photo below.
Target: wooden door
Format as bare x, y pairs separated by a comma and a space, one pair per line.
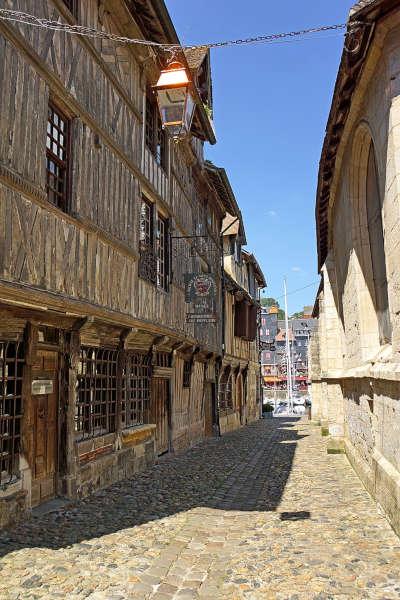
160, 410
44, 400
239, 397
208, 410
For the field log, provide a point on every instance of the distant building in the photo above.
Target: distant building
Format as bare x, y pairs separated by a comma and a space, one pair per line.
273, 342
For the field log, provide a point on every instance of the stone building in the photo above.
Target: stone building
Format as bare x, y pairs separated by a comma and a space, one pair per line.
355, 352
101, 370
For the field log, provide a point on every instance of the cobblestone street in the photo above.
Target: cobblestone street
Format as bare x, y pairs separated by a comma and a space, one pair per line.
261, 513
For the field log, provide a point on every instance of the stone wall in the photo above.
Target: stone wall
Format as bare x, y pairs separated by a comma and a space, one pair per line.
356, 374
105, 460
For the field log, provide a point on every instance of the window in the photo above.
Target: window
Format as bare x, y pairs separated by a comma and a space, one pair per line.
238, 251
225, 400
135, 404
163, 359
153, 250
148, 261
377, 249
57, 158
156, 139
11, 369
187, 372
96, 405
146, 224
162, 253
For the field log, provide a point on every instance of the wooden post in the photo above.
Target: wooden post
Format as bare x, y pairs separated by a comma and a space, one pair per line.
72, 361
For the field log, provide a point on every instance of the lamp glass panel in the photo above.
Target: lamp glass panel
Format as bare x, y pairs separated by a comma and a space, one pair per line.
172, 105
189, 111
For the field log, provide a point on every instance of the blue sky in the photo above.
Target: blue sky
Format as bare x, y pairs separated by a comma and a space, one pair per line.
271, 104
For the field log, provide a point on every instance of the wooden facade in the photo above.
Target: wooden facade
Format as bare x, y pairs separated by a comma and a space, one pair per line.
93, 334
239, 378
100, 371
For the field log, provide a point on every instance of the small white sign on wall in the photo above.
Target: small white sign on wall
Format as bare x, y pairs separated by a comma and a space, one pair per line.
42, 386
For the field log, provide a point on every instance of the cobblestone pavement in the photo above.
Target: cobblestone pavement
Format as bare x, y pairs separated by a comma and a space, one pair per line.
263, 513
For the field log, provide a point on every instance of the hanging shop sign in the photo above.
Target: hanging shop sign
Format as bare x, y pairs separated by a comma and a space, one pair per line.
200, 295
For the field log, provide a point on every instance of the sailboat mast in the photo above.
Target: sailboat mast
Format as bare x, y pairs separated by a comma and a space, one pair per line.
288, 357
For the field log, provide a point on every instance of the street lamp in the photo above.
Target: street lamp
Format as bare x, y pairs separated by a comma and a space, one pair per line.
175, 100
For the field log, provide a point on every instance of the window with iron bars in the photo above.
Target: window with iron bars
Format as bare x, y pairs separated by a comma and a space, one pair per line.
163, 359
11, 409
153, 249
156, 138
135, 388
96, 406
147, 258
225, 399
57, 158
187, 372
162, 253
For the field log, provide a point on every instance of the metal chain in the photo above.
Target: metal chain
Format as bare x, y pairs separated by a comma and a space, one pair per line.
270, 38
28, 19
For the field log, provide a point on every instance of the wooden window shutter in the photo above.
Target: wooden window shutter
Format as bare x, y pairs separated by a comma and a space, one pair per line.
251, 322
241, 319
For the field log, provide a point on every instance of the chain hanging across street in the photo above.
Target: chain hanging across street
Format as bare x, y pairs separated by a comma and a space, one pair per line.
35, 21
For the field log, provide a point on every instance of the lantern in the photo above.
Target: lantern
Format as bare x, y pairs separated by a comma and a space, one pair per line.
175, 101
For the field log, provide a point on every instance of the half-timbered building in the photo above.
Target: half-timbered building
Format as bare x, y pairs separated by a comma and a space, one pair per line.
101, 218
239, 378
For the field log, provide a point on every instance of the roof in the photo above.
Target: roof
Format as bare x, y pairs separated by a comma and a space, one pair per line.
222, 186
231, 285
361, 5
257, 269
361, 28
195, 58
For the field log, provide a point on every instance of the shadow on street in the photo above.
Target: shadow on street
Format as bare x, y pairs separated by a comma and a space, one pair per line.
246, 470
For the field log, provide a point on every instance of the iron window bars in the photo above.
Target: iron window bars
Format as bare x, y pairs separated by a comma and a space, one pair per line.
148, 259
135, 389
163, 359
153, 250
96, 406
162, 253
11, 372
57, 158
104, 386
187, 372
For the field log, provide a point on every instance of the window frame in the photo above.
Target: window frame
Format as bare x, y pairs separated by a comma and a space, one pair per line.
147, 254
11, 409
186, 374
135, 389
95, 416
62, 164
155, 136
162, 252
